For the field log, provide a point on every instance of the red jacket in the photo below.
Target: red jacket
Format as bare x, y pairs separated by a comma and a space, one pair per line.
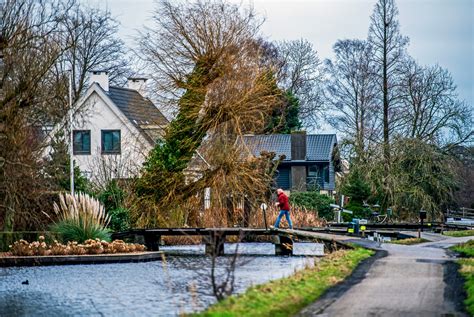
283, 202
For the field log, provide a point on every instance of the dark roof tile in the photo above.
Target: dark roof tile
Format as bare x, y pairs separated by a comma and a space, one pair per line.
318, 146
141, 112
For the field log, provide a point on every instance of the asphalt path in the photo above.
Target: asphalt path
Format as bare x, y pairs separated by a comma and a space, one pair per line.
418, 280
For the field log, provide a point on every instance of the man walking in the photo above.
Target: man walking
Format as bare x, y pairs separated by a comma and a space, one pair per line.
284, 205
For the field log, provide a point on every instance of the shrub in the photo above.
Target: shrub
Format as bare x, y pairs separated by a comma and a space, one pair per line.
80, 217
313, 201
112, 197
358, 210
119, 219
90, 246
356, 187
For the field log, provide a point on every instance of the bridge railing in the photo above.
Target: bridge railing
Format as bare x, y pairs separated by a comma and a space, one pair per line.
462, 213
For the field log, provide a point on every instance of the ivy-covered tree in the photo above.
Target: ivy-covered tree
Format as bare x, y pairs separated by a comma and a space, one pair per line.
209, 66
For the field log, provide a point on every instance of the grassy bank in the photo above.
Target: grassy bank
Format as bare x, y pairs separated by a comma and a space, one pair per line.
467, 271
287, 296
461, 233
465, 249
409, 241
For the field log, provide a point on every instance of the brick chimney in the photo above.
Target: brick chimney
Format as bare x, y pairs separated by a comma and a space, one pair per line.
138, 84
101, 77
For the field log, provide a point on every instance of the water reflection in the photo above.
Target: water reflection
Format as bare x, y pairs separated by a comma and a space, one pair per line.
180, 284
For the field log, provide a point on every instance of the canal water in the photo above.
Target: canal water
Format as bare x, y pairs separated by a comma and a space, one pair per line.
180, 284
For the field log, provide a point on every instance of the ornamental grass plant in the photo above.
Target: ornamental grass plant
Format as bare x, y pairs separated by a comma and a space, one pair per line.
79, 218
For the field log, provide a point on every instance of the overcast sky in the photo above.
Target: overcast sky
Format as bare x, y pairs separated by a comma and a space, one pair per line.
440, 31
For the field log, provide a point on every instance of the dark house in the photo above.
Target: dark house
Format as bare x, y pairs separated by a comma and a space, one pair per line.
311, 161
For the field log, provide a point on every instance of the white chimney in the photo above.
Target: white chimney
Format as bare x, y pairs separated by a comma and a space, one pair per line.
101, 77
138, 84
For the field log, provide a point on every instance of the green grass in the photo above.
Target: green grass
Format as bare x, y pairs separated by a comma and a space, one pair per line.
465, 249
467, 271
409, 241
461, 233
287, 296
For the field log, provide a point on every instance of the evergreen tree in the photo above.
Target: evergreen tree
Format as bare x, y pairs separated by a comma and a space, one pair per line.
285, 118
356, 187
57, 168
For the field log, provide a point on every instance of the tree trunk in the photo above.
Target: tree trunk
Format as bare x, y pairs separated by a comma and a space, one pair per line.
386, 140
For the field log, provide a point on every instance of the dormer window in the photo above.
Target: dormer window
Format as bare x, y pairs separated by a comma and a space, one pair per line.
81, 142
110, 142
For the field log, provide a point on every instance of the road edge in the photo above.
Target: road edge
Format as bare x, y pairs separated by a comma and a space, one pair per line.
454, 290
335, 292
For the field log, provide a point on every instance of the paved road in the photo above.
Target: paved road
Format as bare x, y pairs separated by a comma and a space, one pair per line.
409, 281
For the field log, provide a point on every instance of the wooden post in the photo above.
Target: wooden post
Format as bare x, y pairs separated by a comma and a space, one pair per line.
283, 245
247, 211
214, 243
330, 246
152, 241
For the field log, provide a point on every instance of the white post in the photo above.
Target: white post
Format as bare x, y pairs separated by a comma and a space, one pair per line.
71, 139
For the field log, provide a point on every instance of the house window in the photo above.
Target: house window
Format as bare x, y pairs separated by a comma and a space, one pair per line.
313, 179
81, 141
326, 173
313, 171
110, 141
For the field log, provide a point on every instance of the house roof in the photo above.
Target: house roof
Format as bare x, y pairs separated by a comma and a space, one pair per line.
319, 147
141, 112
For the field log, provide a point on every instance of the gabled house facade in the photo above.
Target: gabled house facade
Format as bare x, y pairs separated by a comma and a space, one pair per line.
310, 161
116, 128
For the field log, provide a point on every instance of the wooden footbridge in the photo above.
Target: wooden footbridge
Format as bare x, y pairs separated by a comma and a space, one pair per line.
214, 238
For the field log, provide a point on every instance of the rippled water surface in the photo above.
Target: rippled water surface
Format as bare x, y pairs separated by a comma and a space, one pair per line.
179, 284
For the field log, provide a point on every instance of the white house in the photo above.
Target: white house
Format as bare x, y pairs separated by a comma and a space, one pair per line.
115, 129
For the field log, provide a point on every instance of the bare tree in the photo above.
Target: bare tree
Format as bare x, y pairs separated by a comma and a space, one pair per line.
219, 278
389, 53
389, 50
432, 109
223, 282
301, 74
31, 47
352, 95
190, 35
90, 35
